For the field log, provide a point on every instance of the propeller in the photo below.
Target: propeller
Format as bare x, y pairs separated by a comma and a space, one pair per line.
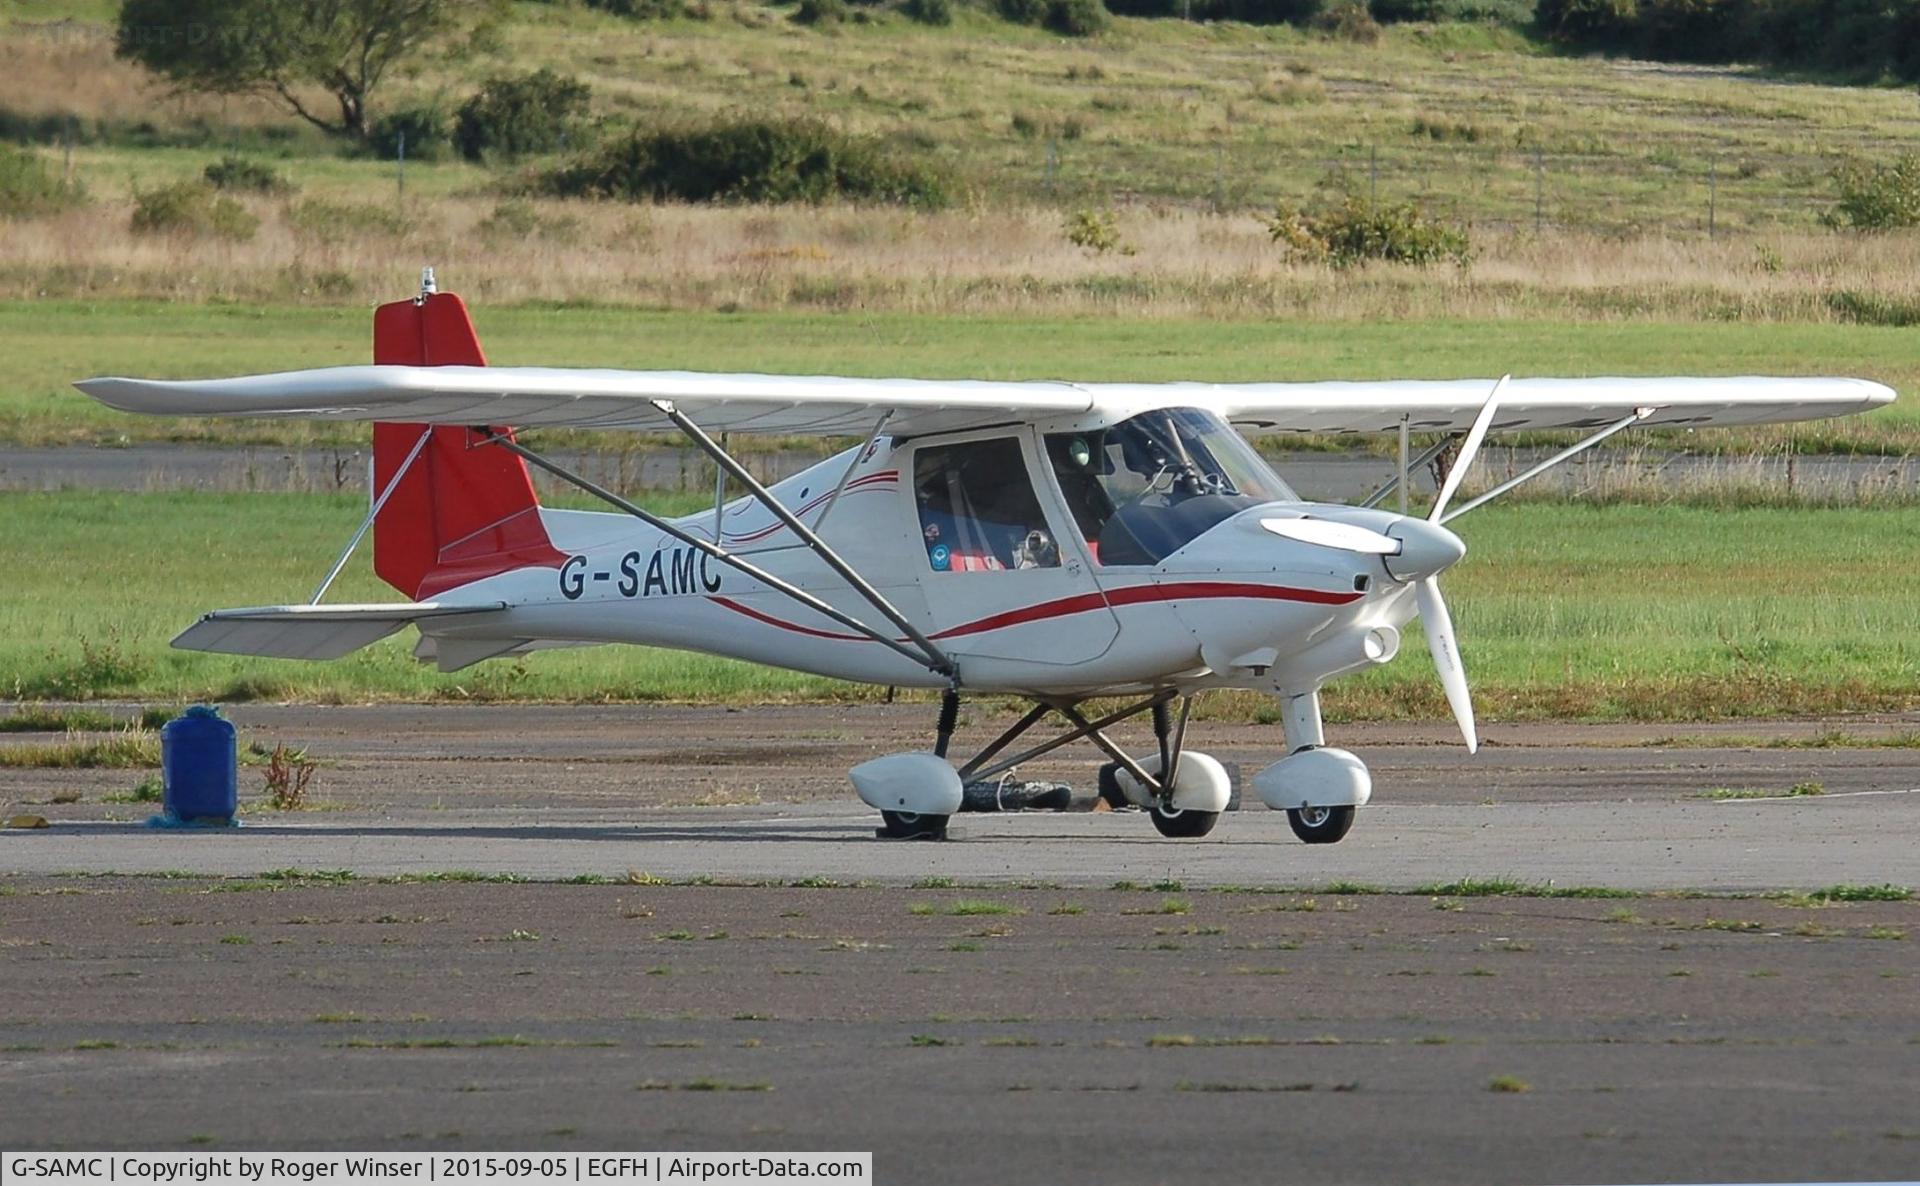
1434, 617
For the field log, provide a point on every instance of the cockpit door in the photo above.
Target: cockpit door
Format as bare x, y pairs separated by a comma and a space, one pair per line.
1005, 575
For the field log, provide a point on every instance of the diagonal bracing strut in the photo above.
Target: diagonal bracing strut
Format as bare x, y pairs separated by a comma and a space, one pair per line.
936, 658
933, 661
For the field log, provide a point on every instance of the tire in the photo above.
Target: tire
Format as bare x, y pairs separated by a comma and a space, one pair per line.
908, 825
1320, 825
1184, 825
1110, 792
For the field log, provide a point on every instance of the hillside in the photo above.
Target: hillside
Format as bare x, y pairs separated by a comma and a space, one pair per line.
1471, 119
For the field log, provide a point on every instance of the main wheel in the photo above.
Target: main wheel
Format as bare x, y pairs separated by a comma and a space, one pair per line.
1184, 825
913, 825
1110, 792
1320, 825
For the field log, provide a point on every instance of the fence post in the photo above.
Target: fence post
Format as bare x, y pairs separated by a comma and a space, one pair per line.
1053, 158
1373, 175
400, 167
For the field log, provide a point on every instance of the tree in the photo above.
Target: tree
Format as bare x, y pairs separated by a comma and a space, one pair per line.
277, 48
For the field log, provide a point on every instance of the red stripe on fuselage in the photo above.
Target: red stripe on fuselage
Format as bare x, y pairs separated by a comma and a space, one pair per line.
1082, 603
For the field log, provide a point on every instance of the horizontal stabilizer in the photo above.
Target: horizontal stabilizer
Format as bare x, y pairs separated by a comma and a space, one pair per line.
310, 631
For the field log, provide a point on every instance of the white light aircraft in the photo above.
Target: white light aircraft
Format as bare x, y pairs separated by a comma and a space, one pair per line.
1049, 540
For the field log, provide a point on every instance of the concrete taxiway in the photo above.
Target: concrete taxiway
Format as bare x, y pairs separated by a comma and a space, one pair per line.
1048, 998
557, 792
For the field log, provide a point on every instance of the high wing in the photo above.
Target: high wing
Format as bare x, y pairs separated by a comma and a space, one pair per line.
555, 397
537, 397
1451, 404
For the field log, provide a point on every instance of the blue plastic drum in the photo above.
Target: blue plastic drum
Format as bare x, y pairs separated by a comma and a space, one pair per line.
199, 766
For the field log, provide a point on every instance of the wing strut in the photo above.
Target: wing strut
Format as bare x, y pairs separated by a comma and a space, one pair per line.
932, 658
373, 512
1398, 480
936, 659
1627, 421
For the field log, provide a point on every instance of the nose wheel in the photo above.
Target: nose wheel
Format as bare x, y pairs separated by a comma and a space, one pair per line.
1320, 825
913, 825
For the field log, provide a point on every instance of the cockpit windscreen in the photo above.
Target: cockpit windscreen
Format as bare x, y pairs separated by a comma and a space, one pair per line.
1144, 488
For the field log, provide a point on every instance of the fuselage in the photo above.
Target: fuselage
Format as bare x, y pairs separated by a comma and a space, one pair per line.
1234, 605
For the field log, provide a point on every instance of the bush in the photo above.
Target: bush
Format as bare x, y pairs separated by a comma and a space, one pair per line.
427, 133
28, 187
1097, 231
645, 10
1349, 20
1357, 229
822, 13
1506, 12
192, 207
239, 173
1594, 23
929, 12
1078, 18
750, 160
1070, 18
1877, 197
510, 117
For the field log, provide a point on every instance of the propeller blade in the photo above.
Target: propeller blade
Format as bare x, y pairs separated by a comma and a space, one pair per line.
1446, 657
1468, 448
1329, 534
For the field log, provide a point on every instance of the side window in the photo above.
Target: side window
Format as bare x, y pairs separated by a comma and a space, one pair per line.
977, 508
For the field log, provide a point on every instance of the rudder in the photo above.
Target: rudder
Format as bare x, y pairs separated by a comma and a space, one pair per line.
461, 512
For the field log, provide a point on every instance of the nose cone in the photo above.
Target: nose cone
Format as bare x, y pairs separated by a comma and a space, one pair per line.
1425, 549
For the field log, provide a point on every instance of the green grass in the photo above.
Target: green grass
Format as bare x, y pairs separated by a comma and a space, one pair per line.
131, 750
49, 344
32, 718
1563, 611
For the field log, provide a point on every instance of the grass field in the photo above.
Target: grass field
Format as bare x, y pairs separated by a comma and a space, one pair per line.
1563, 611
49, 344
1589, 184
1227, 114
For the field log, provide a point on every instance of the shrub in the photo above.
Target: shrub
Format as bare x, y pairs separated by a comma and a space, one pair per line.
239, 173
28, 187
1877, 197
1078, 18
750, 160
1597, 23
645, 10
929, 12
1348, 20
1357, 229
1097, 231
427, 132
1507, 12
513, 116
822, 13
1070, 18
192, 207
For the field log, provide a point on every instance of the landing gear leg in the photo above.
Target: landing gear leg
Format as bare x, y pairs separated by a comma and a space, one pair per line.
912, 825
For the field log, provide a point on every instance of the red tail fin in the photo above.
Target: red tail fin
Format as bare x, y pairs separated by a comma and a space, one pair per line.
461, 512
